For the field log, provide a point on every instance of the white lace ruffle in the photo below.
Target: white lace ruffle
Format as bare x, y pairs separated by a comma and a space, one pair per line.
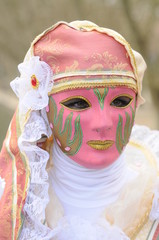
149, 139
32, 87
37, 197
76, 228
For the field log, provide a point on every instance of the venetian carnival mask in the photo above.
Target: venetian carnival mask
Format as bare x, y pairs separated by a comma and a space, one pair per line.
93, 100
92, 126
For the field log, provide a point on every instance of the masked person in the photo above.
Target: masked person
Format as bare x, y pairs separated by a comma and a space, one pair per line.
70, 170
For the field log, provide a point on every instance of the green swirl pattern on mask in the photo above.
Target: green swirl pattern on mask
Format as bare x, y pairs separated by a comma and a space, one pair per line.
101, 97
64, 136
122, 139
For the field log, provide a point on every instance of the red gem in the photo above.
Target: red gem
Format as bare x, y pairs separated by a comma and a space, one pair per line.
33, 81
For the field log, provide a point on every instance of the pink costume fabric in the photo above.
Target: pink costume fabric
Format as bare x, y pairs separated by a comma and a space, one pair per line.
73, 55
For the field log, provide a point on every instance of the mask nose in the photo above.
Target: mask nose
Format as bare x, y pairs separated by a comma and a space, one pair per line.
102, 121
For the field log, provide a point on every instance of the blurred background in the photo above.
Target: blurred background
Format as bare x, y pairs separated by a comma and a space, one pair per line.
136, 20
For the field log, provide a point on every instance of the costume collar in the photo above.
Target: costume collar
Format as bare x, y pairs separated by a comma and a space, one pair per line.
87, 188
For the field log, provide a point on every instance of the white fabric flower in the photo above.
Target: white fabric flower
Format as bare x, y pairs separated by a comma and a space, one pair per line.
2, 186
34, 83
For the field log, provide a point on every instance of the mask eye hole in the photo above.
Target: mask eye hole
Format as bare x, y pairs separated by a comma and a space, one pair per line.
121, 101
77, 103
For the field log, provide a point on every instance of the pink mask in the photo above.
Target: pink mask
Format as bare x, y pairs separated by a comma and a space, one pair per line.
92, 126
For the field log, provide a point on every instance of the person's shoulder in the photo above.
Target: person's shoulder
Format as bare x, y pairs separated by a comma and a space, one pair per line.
147, 140
140, 131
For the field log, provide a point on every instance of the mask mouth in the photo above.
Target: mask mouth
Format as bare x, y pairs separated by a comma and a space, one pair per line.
100, 145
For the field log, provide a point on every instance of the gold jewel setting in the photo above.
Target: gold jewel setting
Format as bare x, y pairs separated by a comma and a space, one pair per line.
34, 82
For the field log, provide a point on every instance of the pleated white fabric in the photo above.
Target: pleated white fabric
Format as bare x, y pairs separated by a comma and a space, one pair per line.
86, 192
